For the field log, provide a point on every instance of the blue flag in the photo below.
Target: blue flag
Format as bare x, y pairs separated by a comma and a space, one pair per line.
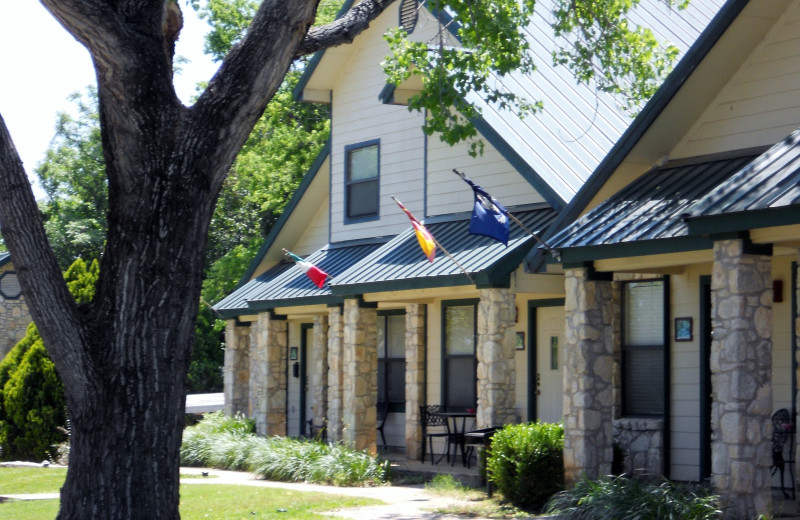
489, 217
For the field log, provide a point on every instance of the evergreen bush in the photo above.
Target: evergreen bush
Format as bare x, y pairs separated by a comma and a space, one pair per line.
32, 403
526, 463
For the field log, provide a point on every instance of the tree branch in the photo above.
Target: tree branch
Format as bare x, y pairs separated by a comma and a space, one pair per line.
49, 300
344, 29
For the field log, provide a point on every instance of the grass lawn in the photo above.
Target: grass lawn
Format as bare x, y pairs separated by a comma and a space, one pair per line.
198, 502
17, 481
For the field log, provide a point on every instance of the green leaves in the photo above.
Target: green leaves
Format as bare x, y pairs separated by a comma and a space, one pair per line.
480, 42
609, 51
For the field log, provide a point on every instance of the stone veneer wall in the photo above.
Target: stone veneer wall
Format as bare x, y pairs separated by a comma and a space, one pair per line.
360, 367
335, 374
319, 371
257, 405
14, 319
268, 374
277, 354
415, 376
496, 363
643, 442
588, 376
236, 370
741, 380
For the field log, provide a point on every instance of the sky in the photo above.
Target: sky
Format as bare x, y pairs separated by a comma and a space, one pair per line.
41, 65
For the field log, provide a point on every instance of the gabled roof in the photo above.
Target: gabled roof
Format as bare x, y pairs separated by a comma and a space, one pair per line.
650, 212
557, 149
5, 257
652, 114
401, 264
285, 284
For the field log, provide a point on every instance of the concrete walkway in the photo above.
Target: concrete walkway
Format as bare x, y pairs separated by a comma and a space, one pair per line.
400, 502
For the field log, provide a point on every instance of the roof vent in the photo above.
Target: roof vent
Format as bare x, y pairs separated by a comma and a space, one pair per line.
408, 15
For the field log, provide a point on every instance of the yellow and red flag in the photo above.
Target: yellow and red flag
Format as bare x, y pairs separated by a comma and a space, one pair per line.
424, 237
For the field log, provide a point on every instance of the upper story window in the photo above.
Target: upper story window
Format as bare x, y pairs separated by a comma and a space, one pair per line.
643, 348
362, 168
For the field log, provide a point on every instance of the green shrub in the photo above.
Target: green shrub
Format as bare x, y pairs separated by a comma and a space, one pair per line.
622, 498
526, 463
229, 443
32, 402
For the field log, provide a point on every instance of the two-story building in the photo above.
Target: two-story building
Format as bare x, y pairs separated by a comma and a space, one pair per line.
472, 330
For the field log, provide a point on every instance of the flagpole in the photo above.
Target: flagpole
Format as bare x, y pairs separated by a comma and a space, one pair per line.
520, 224
453, 259
435, 241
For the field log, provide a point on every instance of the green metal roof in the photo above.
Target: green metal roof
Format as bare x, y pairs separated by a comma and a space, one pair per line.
401, 264
648, 211
765, 193
286, 285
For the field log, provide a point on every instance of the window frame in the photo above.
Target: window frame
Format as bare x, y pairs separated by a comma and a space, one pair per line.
445, 357
348, 183
9, 295
383, 364
663, 348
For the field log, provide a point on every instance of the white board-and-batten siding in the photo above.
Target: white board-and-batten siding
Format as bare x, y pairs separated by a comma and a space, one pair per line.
760, 105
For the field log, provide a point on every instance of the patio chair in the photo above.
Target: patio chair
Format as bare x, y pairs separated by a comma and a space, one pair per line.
431, 421
783, 431
383, 412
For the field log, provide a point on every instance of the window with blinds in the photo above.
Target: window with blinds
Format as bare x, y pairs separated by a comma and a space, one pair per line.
643, 348
392, 360
460, 363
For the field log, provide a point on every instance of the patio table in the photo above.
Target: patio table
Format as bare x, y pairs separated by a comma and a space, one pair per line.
456, 434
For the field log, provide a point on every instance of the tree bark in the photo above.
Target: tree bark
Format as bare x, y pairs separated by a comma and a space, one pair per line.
124, 357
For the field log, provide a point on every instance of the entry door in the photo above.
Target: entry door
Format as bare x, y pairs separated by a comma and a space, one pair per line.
549, 363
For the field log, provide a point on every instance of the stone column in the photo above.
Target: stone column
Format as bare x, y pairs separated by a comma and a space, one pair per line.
277, 350
588, 376
415, 376
257, 405
495, 353
360, 364
741, 379
268, 375
335, 374
236, 370
319, 372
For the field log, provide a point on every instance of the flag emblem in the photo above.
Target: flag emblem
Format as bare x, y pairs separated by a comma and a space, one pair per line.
317, 275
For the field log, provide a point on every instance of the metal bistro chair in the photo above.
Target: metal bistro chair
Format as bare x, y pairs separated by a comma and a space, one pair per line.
383, 412
782, 432
429, 419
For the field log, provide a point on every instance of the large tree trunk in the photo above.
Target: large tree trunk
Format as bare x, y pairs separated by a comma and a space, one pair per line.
124, 357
